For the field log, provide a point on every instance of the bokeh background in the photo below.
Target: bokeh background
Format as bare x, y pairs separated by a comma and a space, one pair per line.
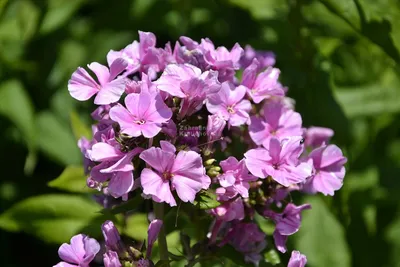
339, 58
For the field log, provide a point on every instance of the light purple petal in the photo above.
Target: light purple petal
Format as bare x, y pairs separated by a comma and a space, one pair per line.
110, 92
152, 233
187, 187
327, 182
73, 252
236, 95
297, 259
149, 129
332, 155
167, 146
121, 183
257, 161
81, 86
249, 74
124, 118
188, 163
92, 247
103, 151
64, 264
280, 241
257, 130
116, 67
101, 72
154, 185
158, 159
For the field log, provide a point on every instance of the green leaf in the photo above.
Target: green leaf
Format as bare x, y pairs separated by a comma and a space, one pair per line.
380, 19
79, 128
345, 9
136, 226
72, 54
228, 252
272, 257
262, 9
52, 218
130, 205
72, 179
28, 17
206, 200
369, 100
58, 13
163, 263
321, 237
392, 235
56, 140
17, 106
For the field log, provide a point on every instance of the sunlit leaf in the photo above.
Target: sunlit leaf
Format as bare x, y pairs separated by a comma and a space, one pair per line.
72, 179
320, 233
58, 13
52, 218
56, 139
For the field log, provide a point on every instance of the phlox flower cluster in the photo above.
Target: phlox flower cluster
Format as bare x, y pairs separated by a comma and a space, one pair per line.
246, 145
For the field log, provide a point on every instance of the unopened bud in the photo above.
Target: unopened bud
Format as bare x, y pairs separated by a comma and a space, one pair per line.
209, 162
111, 236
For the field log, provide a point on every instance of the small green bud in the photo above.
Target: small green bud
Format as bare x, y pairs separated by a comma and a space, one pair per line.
135, 253
209, 162
212, 173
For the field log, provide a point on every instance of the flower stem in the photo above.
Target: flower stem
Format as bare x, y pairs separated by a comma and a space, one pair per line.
162, 240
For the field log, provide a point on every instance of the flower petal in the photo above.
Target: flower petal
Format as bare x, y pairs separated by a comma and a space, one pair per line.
121, 183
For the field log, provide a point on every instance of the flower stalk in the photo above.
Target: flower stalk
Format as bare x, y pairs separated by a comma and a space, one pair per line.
162, 239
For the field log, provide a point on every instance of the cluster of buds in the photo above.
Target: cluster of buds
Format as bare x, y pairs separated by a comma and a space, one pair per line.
172, 124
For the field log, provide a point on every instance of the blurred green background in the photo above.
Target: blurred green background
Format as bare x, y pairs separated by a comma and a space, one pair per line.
339, 58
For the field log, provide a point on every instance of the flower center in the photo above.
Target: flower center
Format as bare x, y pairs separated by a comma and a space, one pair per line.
167, 175
140, 122
230, 109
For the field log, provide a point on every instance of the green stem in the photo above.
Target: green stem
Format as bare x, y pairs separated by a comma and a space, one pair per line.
162, 240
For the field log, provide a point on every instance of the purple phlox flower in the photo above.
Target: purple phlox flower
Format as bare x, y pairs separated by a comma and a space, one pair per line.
109, 87
189, 83
144, 85
144, 114
190, 53
170, 129
280, 161
229, 104
297, 259
248, 239
328, 172
115, 166
111, 259
152, 234
287, 223
317, 136
266, 58
221, 57
189, 136
263, 85
235, 177
144, 263
80, 252
275, 121
101, 113
229, 211
183, 172
141, 56
215, 126
111, 236
103, 131
85, 146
